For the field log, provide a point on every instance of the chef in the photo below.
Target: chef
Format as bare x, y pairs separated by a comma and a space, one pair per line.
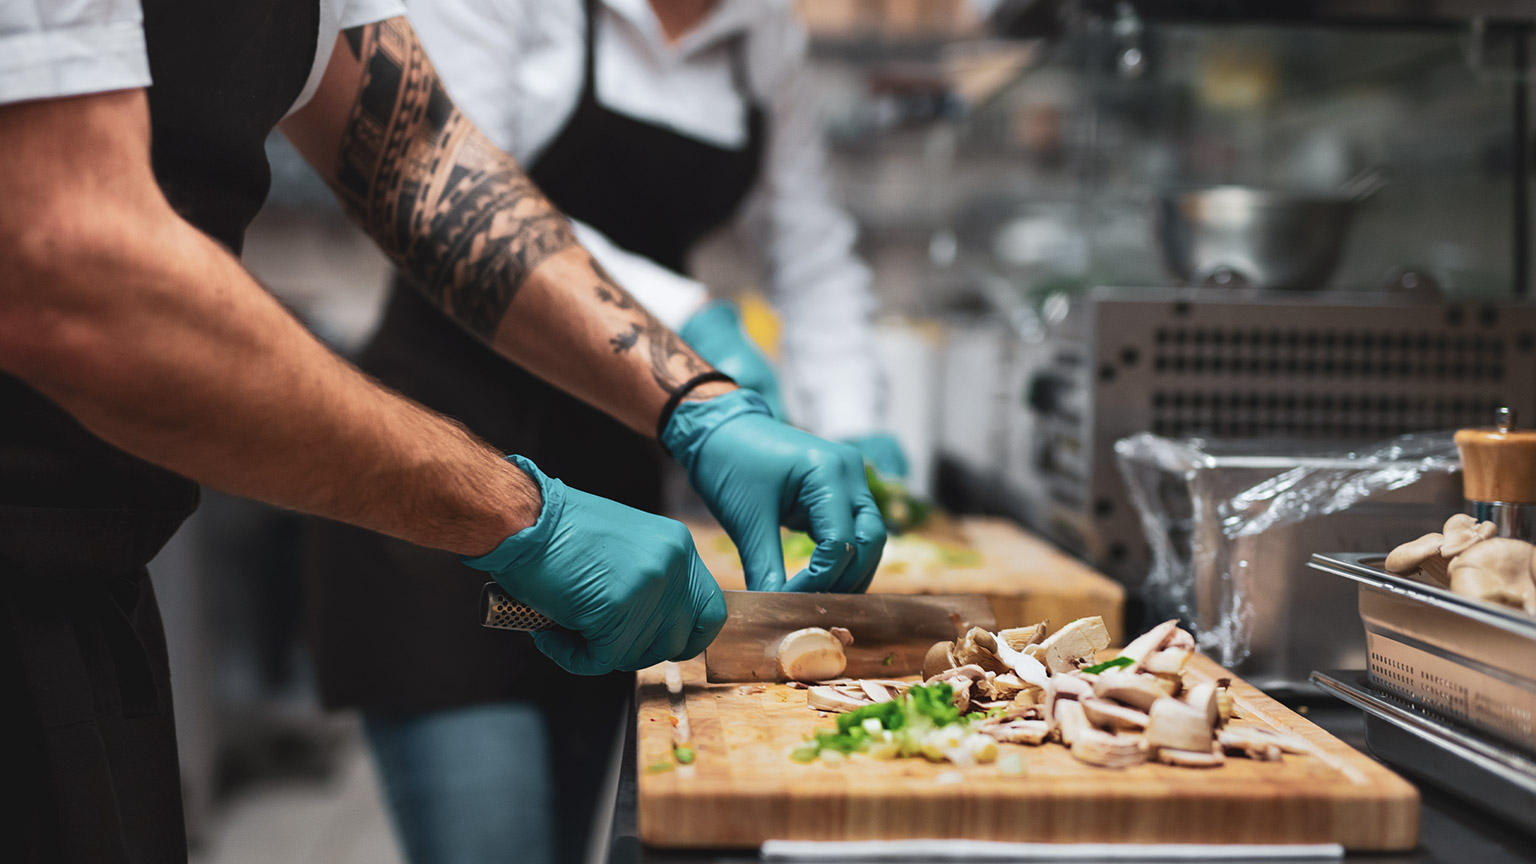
651, 123
137, 360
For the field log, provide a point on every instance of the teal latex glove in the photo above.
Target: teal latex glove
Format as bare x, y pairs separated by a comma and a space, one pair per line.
756, 473
627, 585
715, 332
884, 452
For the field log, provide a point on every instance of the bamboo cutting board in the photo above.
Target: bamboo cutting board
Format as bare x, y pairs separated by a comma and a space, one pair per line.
1026, 579
743, 789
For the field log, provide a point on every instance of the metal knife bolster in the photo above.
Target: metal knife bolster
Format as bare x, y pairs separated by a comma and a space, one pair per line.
499, 610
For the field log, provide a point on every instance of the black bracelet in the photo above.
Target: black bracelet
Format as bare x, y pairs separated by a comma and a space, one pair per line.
682, 391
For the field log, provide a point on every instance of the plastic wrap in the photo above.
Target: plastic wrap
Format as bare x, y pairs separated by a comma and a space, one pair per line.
1205, 504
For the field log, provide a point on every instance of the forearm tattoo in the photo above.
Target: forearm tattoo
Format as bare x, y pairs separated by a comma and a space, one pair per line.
456, 214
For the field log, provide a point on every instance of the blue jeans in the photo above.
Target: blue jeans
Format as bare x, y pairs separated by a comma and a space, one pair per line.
477, 784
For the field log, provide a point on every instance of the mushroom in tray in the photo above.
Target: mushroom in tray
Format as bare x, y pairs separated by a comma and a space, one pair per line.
1500, 571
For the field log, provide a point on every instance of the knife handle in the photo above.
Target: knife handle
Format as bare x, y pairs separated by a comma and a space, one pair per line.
499, 610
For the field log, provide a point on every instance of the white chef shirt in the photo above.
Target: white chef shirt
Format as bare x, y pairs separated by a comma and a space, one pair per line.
55, 48
515, 67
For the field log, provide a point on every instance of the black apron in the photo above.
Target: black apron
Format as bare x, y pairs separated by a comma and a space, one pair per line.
392, 624
87, 718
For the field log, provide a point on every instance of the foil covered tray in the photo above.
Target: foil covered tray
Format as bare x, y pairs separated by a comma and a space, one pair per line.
1465, 660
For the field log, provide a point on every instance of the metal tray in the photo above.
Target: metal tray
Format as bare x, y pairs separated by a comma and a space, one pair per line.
1467, 660
1501, 781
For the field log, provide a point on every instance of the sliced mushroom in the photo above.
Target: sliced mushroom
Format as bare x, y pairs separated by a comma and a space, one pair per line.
1107, 715
876, 691
1203, 696
1031, 732
1190, 758
1144, 645
1070, 720
811, 654
1169, 661
1097, 747
979, 647
1462, 532
939, 658
1067, 648
1018, 638
1500, 570
842, 635
1225, 704
1178, 725
1423, 553
1257, 738
1129, 688
824, 698
1004, 686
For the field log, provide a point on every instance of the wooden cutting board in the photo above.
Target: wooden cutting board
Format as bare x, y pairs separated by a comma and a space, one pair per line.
743, 789
1026, 578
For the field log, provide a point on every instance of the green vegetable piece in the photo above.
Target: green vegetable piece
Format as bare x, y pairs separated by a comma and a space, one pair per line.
683, 753
1117, 663
658, 767
889, 659
805, 752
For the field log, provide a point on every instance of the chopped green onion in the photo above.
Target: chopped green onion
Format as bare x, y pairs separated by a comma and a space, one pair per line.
1117, 663
889, 659
683, 753
658, 767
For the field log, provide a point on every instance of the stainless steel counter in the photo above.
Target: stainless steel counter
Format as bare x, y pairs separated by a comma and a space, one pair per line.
1450, 832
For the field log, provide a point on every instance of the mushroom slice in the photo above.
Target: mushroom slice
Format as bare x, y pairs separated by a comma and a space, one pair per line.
1107, 715
1097, 747
1070, 720
1204, 697
1142, 646
940, 658
978, 646
825, 698
876, 691
1226, 706
1004, 686
1169, 661
1260, 743
842, 634
1129, 688
1178, 725
811, 654
1031, 732
1462, 532
1500, 571
1018, 638
1190, 758
1414, 554
1067, 648
971, 672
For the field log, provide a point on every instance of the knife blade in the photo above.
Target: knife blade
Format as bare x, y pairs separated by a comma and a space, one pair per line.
891, 632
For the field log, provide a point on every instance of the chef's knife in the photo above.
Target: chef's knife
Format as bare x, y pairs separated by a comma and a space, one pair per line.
891, 632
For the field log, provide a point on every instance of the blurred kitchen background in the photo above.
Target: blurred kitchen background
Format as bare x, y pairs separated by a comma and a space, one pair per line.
1267, 235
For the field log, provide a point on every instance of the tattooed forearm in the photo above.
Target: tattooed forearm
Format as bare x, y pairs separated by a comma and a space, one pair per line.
455, 213
672, 361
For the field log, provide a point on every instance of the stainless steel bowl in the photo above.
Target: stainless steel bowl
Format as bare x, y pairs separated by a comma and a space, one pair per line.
1246, 237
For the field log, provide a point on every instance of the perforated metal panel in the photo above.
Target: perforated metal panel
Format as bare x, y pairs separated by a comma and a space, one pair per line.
500, 611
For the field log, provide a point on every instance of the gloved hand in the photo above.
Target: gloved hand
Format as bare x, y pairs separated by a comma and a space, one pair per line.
715, 332
756, 473
883, 451
627, 586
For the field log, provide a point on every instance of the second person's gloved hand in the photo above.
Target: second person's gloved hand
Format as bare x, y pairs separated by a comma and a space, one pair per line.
757, 473
716, 334
884, 452
627, 586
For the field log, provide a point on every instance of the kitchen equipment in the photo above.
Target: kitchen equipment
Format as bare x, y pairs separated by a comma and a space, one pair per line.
1499, 779
1499, 466
1327, 367
891, 633
741, 788
1467, 660
1024, 578
1240, 236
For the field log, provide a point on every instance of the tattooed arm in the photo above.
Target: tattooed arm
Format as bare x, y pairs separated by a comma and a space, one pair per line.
463, 220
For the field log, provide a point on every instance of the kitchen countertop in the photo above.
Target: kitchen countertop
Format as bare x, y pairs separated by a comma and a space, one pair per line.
1450, 832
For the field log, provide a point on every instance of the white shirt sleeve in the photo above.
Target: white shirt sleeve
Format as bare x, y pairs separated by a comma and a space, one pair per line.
360, 12
670, 297
50, 49
475, 47
815, 280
